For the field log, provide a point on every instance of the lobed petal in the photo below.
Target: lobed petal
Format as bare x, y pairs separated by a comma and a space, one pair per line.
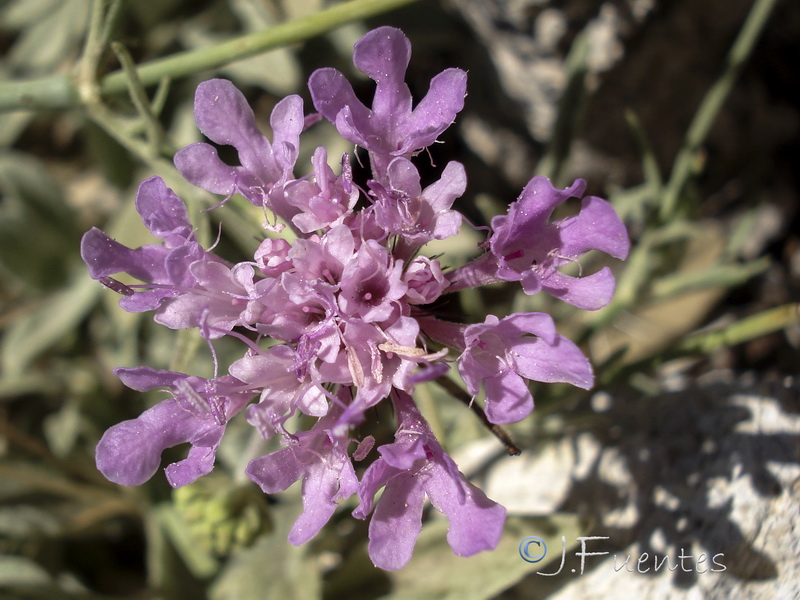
508, 399
224, 116
437, 110
596, 227
199, 461
591, 292
320, 487
276, 471
129, 453
396, 523
476, 522
162, 212
200, 165
105, 256
559, 362
383, 55
331, 92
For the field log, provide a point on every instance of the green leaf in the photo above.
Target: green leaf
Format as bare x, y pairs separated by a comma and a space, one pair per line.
51, 320
17, 573
35, 224
54, 36
271, 568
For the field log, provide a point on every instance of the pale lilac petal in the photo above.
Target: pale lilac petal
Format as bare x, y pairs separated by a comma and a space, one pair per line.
287, 124
224, 116
590, 292
104, 256
199, 461
508, 399
596, 227
359, 129
402, 456
374, 478
331, 92
129, 453
276, 471
396, 523
520, 324
403, 175
143, 379
162, 212
441, 194
320, 487
476, 523
438, 109
532, 209
200, 165
383, 55
560, 362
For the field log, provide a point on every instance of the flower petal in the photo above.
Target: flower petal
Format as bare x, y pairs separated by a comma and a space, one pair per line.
476, 522
397, 523
200, 165
508, 399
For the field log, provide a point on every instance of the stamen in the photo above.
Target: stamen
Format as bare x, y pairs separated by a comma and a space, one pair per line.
191, 400
117, 286
363, 448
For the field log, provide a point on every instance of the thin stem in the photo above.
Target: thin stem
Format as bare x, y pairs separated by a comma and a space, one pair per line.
153, 130
749, 328
92, 51
60, 91
460, 394
706, 115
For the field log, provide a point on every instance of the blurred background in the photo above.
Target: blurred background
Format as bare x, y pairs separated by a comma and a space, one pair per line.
683, 113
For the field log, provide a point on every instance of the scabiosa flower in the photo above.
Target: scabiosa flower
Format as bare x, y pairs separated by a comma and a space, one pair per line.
414, 215
223, 115
318, 456
341, 317
326, 201
391, 128
197, 412
413, 467
501, 353
526, 247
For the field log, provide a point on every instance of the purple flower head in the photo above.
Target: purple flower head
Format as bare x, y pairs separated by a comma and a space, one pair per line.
529, 249
224, 116
341, 315
221, 298
319, 456
501, 353
391, 127
197, 412
413, 467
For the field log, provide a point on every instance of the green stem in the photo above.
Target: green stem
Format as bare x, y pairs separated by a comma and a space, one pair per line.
712, 103
59, 92
153, 130
750, 328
